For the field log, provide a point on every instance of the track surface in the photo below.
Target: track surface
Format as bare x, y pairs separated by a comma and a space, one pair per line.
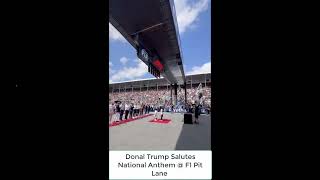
175, 135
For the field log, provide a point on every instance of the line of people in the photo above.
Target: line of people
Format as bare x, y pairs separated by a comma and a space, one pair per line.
124, 111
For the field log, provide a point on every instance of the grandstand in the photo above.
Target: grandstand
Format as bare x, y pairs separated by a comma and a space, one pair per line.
159, 91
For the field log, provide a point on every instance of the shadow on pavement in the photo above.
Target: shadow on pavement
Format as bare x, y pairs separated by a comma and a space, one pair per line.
195, 136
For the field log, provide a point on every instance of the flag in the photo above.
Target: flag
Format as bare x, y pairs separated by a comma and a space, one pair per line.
199, 87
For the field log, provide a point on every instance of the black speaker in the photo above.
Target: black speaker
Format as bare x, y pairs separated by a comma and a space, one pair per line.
188, 118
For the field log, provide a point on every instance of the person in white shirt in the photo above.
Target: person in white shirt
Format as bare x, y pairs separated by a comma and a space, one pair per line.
111, 112
156, 114
126, 109
137, 109
121, 111
117, 107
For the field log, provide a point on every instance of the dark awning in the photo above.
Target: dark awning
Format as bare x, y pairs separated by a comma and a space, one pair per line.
155, 22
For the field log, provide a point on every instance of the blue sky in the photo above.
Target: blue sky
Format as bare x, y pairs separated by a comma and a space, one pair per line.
194, 22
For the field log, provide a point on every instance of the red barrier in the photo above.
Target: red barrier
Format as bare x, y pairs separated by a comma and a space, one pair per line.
128, 120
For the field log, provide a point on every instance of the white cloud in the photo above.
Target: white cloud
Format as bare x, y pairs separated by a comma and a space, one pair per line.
115, 35
111, 71
124, 60
188, 13
205, 68
130, 73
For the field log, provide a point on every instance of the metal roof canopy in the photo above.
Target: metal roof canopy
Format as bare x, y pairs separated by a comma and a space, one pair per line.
153, 82
155, 22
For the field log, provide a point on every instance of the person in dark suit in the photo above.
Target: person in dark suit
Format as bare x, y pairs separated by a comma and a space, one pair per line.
146, 109
196, 114
131, 111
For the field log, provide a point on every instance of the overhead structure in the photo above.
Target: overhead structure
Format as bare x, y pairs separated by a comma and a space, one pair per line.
151, 27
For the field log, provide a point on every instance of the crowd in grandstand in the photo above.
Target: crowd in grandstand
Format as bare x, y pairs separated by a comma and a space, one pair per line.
143, 97
160, 96
126, 105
